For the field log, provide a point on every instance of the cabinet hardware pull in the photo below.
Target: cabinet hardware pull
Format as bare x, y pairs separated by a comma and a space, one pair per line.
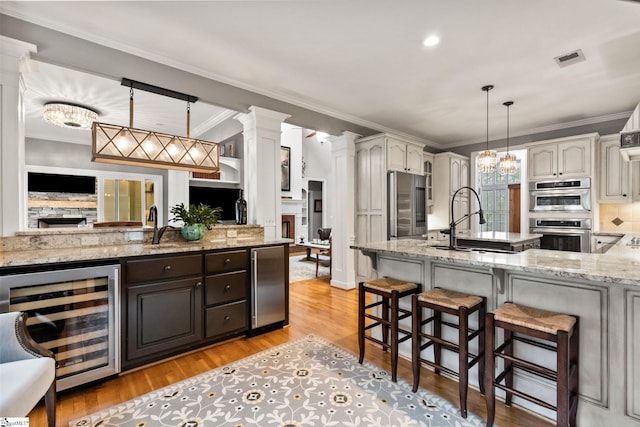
167, 268
198, 284
227, 261
624, 195
228, 287
227, 318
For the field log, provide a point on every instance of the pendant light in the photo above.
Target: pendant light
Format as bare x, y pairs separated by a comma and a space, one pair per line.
507, 162
487, 159
132, 146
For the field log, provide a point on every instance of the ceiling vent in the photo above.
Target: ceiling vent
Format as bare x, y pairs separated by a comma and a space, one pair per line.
570, 58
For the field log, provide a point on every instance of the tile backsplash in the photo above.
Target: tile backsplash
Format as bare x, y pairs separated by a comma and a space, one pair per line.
620, 217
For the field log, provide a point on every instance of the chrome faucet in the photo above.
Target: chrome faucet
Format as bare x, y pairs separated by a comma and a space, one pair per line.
452, 225
157, 232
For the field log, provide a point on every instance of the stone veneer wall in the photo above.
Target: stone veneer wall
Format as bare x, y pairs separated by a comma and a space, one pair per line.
41, 204
58, 238
620, 217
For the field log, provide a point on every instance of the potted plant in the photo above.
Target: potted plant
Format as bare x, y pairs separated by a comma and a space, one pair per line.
195, 219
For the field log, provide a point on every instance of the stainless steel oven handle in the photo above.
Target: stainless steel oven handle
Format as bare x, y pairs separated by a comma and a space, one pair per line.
567, 231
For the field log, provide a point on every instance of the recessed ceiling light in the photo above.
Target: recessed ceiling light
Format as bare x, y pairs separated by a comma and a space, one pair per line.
431, 40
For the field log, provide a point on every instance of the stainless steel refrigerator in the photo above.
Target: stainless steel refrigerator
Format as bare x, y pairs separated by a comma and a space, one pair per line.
268, 305
407, 205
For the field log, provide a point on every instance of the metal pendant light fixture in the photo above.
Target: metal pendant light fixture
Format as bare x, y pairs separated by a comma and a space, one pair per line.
487, 159
131, 146
507, 162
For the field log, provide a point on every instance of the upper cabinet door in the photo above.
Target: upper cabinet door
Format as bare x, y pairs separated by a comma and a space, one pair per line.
542, 162
574, 159
414, 160
396, 155
614, 173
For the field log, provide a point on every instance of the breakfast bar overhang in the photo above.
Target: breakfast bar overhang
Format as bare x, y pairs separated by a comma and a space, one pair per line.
602, 289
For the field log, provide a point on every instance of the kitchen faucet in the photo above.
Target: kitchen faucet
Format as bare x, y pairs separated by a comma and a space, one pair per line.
157, 233
452, 225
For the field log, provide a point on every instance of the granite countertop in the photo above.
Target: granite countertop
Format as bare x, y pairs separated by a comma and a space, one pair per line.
500, 236
96, 253
619, 265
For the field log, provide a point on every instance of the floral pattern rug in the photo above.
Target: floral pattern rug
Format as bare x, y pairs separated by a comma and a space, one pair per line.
307, 382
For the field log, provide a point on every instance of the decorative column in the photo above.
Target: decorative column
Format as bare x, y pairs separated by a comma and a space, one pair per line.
13, 198
262, 168
342, 193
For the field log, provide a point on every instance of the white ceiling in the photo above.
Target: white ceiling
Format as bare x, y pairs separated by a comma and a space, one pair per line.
363, 60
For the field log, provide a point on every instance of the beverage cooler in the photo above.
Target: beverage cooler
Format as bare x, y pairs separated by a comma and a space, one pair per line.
74, 313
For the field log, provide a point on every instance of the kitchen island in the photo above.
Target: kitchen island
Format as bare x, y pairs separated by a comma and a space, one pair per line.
602, 289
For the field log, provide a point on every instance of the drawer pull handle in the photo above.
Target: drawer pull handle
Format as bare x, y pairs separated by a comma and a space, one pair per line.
227, 288
227, 261
198, 284
227, 318
167, 268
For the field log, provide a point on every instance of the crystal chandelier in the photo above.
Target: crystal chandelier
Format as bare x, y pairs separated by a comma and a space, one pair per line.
69, 115
487, 159
507, 162
138, 147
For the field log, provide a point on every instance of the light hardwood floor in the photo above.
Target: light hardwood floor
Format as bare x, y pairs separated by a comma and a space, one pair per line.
316, 308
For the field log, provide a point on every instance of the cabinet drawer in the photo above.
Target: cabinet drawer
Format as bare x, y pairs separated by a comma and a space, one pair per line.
225, 287
163, 268
221, 262
226, 319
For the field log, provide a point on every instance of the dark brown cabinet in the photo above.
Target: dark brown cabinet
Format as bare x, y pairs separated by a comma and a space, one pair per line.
163, 307
226, 292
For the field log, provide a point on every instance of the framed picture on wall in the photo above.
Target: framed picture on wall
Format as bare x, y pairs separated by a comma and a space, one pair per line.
285, 166
317, 205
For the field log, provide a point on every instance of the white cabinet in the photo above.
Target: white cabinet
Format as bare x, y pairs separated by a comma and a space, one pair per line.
451, 173
371, 200
428, 177
562, 158
404, 156
619, 180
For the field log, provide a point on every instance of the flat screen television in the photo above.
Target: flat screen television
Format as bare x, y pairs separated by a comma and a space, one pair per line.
56, 183
224, 198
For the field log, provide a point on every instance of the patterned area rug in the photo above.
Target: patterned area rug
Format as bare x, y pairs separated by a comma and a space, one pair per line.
308, 382
300, 269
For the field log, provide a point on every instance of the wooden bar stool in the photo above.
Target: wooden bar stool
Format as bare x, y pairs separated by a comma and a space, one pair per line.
390, 291
460, 305
561, 329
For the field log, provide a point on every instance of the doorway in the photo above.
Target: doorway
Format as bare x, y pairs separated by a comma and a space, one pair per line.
315, 208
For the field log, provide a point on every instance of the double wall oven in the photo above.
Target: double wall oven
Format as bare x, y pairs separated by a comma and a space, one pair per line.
560, 210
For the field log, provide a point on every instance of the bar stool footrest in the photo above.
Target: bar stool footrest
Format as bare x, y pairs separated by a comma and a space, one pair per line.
526, 396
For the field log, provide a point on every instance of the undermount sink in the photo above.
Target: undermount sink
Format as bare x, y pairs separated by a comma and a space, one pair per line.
163, 245
469, 249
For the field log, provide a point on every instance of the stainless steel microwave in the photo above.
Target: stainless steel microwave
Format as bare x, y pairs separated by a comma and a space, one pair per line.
560, 196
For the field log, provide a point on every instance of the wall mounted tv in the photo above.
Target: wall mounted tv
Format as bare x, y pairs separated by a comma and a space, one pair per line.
224, 198
55, 183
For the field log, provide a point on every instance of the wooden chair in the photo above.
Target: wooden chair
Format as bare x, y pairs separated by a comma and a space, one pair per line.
324, 262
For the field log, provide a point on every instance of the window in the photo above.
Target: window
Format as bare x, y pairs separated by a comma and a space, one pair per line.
494, 196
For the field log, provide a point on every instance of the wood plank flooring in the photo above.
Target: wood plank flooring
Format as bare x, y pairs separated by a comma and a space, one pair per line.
316, 308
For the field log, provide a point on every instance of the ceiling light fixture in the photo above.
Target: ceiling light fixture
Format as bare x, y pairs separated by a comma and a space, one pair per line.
432, 40
138, 147
487, 159
68, 115
508, 162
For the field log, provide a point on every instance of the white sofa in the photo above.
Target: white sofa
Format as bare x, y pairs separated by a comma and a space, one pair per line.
27, 370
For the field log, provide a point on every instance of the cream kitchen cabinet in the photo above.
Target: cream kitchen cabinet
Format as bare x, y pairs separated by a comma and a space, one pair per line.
428, 177
619, 179
451, 173
562, 158
404, 156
